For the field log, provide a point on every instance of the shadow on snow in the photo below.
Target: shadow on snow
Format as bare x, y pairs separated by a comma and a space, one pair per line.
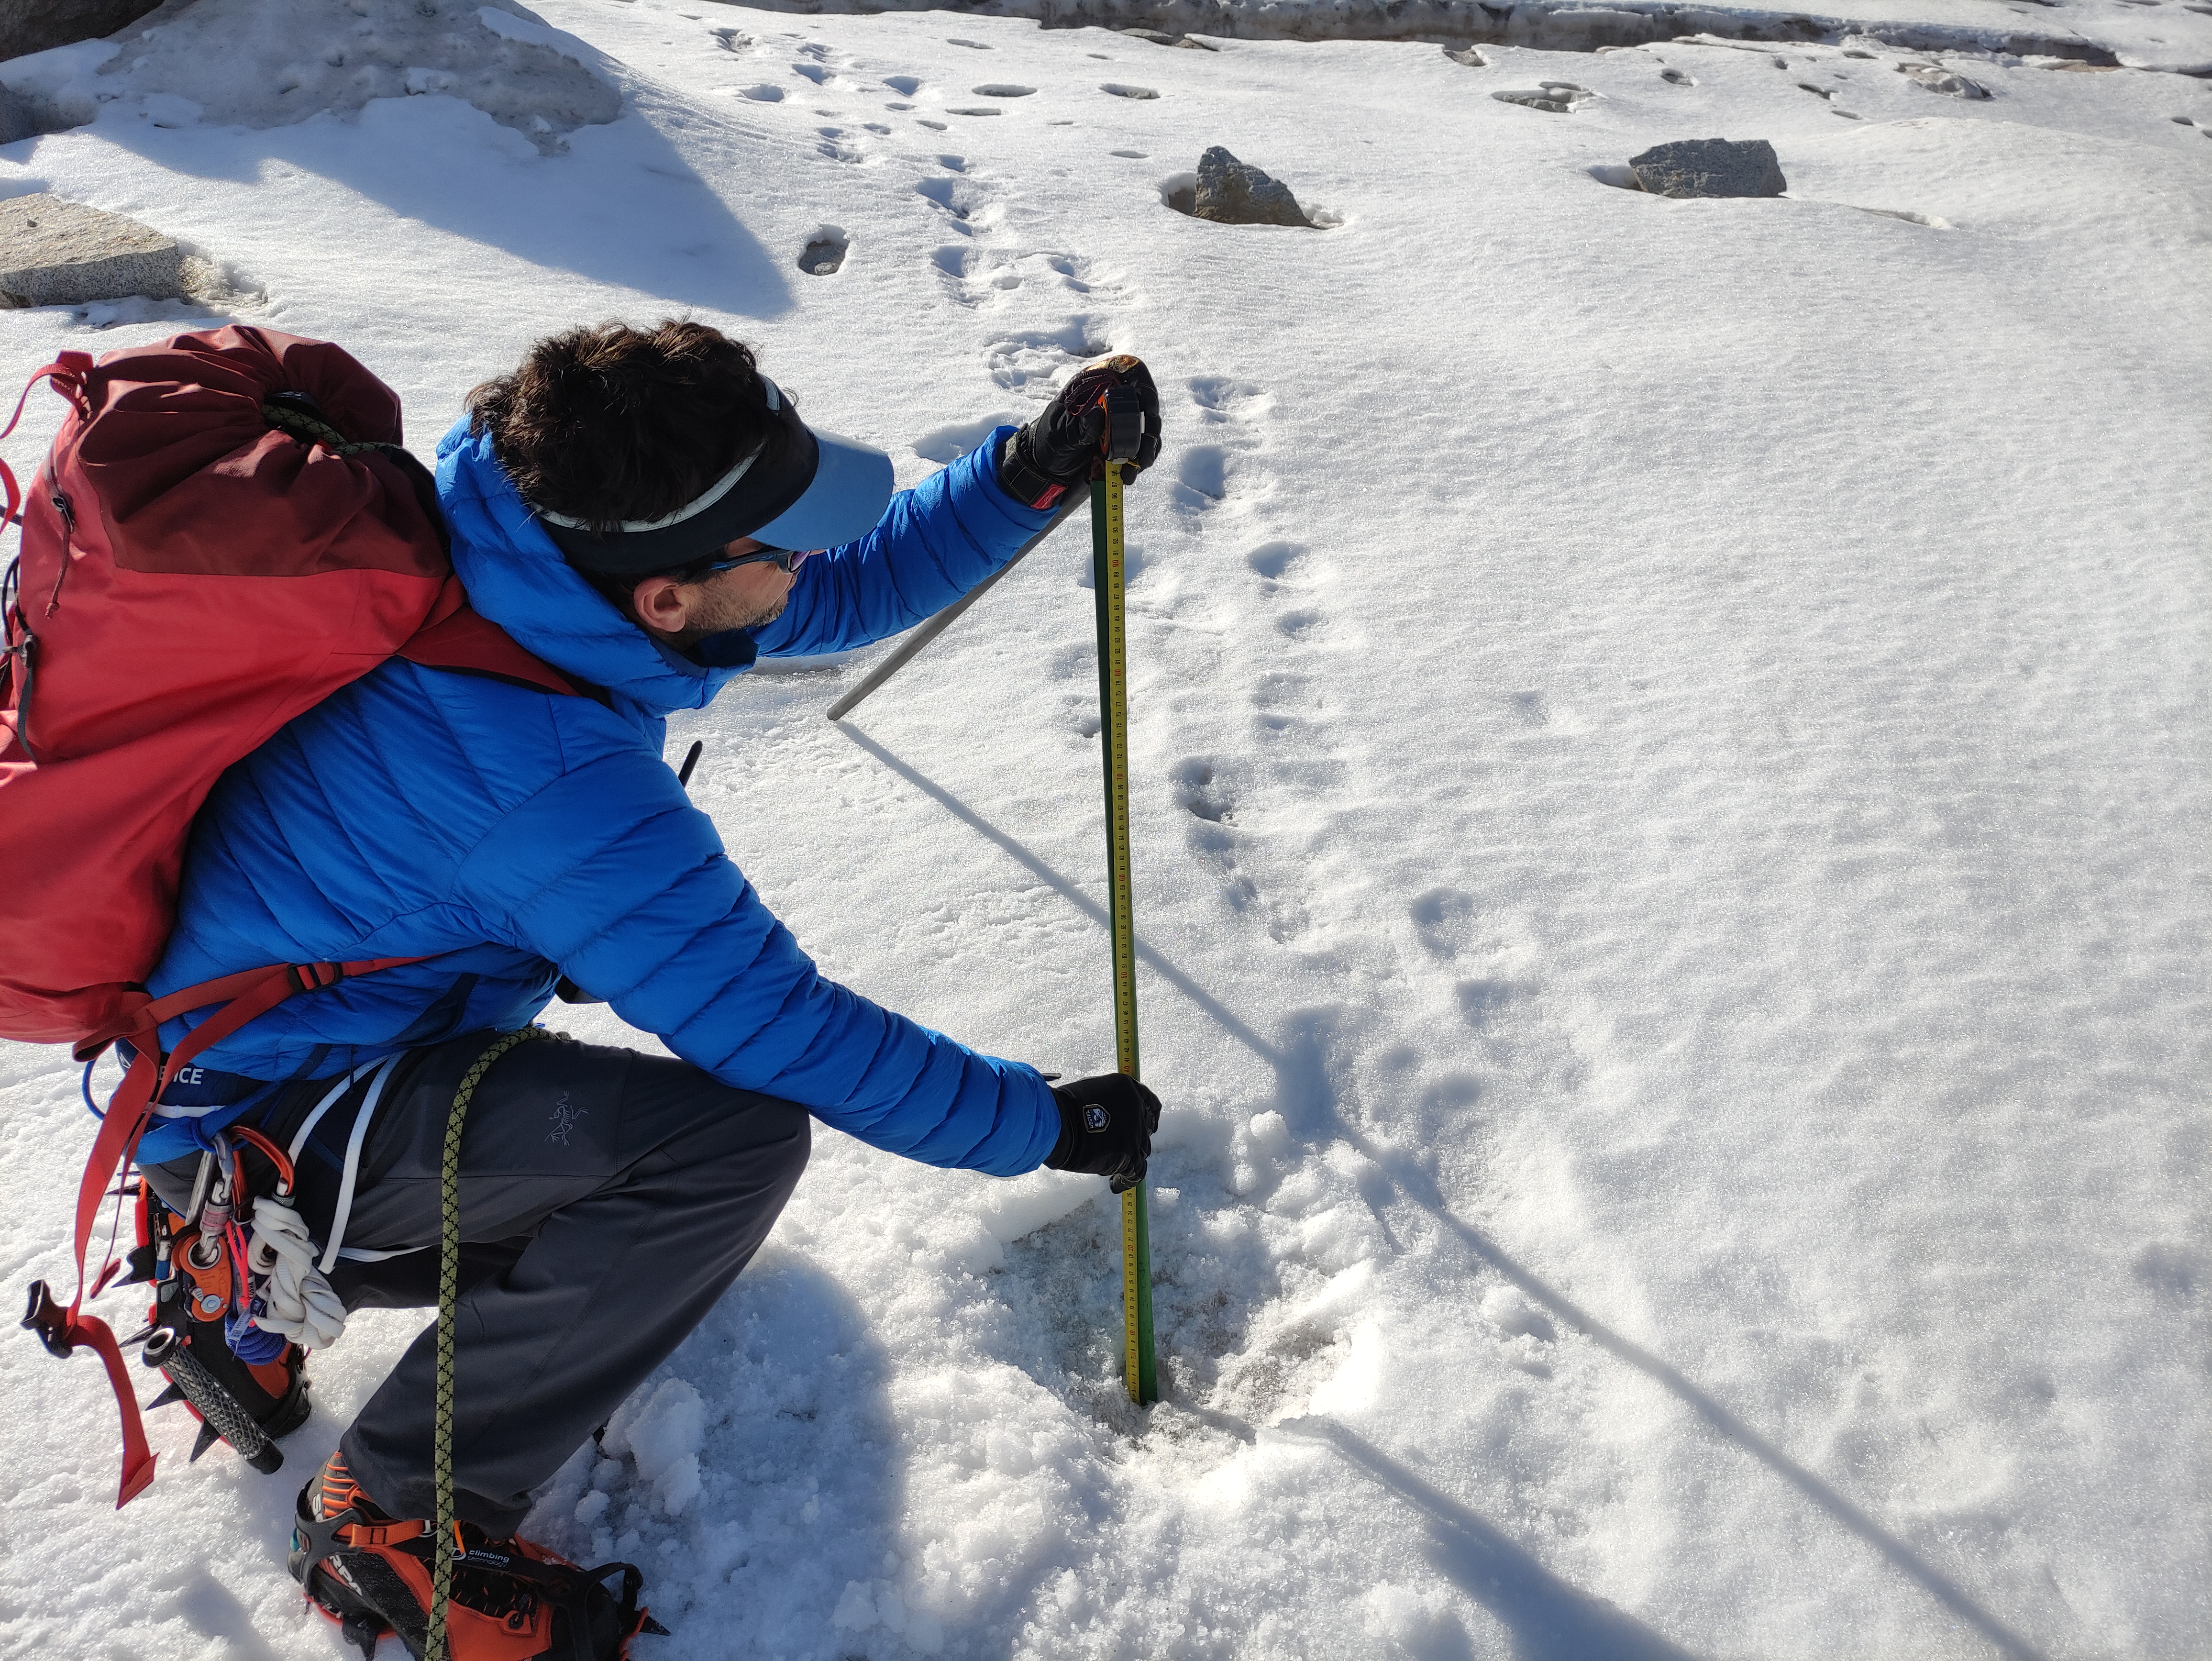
1466, 1545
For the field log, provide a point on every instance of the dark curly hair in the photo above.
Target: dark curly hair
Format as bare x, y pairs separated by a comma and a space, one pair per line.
611, 423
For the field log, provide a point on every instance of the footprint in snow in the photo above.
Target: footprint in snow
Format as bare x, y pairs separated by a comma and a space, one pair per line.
1223, 398
1525, 1332
1199, 792
1002, 89
1444, 920
1272, 562
1677, 78
1481, 1002
955, 40
974, 109
1121, 90
1035, 360
905, 85
955, 195
1202, 477
763, 94
819, 74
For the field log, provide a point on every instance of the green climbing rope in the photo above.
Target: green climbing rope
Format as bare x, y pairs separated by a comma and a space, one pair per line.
309, 430
449, 1281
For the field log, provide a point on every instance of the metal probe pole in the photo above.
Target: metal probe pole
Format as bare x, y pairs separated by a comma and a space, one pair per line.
913, 644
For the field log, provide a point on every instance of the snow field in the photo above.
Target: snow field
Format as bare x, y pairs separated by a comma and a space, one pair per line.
1668, 763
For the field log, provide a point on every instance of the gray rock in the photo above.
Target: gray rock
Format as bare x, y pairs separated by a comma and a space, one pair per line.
1949, 83
1553, 97
54, 253
1161, 39
824, 254
1233, 192
28, 25
22, 116
1710, 166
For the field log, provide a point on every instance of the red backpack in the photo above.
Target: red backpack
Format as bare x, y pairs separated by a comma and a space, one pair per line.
225, 532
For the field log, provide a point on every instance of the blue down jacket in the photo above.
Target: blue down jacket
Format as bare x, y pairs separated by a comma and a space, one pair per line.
515, 835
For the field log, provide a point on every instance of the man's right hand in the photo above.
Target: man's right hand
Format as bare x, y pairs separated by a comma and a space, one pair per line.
1106, 1127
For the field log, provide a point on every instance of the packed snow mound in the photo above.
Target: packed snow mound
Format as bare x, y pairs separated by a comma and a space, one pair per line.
282, 62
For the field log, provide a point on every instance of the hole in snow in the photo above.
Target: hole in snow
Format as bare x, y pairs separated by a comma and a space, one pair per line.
824, 252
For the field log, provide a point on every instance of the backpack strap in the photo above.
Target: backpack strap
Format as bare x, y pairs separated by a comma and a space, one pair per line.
467, 643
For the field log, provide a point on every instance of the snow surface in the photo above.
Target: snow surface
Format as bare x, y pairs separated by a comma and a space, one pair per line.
1669, 752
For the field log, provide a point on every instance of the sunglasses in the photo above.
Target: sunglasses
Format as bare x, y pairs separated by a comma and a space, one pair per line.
784, 560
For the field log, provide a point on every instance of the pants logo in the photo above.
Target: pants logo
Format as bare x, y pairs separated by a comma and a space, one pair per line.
564, 1119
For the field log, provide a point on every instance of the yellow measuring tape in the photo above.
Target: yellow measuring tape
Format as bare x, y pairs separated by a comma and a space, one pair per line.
1141, 1369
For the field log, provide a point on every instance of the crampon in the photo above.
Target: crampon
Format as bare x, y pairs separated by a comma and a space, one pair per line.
512, 1600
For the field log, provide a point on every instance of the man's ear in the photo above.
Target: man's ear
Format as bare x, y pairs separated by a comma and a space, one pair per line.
658, 602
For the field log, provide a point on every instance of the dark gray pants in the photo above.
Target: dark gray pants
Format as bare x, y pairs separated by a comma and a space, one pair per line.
608, 1200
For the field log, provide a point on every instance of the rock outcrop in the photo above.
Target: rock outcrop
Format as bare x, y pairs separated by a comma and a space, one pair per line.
1710, 166
56, 252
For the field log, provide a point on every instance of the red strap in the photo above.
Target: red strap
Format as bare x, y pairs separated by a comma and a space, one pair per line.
71, 364
473, 644
249, 993
362, 1536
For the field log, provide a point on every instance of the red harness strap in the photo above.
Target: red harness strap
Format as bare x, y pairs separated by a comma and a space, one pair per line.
244, 996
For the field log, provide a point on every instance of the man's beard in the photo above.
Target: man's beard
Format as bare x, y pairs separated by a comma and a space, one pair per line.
725, 613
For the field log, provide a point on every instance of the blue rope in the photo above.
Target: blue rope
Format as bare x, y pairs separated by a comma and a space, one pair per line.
86, 1085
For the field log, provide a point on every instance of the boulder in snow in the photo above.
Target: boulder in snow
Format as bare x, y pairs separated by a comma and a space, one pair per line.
272, 63
1232, 192
1936, 78
55, 252
26, 115
1553, 97
30, 26
1710, 166
1160, 39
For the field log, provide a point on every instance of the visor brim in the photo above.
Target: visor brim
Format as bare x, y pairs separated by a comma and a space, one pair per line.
845, 501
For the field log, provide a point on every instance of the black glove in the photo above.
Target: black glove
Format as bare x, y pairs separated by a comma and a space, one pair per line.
1058, 448
1106, 1127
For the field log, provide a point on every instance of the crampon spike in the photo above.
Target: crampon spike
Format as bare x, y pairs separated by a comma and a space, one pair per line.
208, 1437
168, 1398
